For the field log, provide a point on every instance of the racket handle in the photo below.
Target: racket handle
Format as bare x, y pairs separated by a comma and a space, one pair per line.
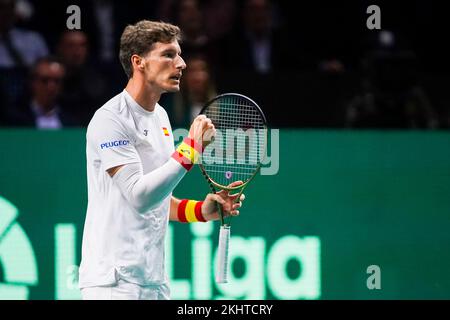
222, 254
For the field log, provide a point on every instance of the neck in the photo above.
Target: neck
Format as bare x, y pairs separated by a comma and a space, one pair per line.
143, 94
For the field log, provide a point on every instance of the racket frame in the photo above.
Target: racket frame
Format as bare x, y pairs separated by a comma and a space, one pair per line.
211, 181
222, 271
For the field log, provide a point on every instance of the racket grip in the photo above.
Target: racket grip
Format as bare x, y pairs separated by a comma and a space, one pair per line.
222, 254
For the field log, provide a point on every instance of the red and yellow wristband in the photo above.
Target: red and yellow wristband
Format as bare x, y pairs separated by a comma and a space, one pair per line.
190, 211
187, 153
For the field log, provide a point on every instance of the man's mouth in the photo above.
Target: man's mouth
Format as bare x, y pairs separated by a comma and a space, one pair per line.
176, 77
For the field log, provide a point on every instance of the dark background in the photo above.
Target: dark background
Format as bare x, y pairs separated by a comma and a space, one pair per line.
301, 89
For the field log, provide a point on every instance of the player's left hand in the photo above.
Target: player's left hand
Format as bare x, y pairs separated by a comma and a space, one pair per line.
229, 202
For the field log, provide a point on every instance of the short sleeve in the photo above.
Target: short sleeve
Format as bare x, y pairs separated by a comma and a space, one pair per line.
109, 139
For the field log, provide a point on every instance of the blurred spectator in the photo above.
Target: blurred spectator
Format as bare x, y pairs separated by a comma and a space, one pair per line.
102, 21
197, 89
201, 25
19, 49
258, 45
85, 89
73, 48
24, 11
195, 40
42, 109
391, 94
218, 16
378, 109
252, 47
191, 23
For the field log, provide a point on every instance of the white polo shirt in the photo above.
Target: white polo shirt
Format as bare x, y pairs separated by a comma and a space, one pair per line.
118, 242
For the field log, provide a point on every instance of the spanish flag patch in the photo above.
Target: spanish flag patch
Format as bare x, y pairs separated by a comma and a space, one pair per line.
166, 132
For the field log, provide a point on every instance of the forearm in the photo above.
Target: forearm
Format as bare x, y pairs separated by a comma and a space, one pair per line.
145, 192
206, 210
173, 213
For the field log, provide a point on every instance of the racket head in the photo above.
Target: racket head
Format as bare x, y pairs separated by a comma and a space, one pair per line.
240, 144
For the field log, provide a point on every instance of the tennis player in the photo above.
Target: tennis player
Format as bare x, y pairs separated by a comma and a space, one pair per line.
132, 169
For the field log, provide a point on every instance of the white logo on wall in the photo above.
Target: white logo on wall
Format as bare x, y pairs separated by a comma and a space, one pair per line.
265, 266
17, 258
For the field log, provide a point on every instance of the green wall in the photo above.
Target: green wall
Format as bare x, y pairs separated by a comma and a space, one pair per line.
340, 202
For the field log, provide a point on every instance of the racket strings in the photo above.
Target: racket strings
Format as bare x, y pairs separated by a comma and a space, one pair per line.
236, 154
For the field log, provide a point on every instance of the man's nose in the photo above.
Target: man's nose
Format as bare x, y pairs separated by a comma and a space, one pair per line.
181, 64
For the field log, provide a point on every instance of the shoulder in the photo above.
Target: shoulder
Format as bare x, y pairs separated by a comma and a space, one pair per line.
109, 116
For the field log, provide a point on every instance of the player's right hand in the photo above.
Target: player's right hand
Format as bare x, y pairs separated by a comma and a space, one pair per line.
202, 130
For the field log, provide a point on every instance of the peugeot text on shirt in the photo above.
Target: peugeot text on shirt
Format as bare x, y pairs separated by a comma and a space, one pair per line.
114, 144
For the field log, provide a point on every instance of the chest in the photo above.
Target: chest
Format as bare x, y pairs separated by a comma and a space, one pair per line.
153, 141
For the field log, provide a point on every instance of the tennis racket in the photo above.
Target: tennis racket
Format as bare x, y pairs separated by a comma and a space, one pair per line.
235, 154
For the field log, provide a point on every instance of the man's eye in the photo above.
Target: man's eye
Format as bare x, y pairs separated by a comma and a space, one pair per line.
169, 55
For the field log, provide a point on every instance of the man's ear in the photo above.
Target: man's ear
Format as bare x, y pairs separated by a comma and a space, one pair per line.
141, 64
137, 61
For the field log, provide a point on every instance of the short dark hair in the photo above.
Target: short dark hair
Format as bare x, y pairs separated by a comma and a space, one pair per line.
140, 37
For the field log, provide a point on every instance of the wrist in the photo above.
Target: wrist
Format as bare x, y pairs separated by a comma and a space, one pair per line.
188, 153
190, 211
198, 146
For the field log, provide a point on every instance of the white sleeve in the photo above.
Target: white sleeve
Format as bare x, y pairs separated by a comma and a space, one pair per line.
111, 141
145, 192
115, 148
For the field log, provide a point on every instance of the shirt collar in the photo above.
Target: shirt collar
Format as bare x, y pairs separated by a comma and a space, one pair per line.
136, 106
